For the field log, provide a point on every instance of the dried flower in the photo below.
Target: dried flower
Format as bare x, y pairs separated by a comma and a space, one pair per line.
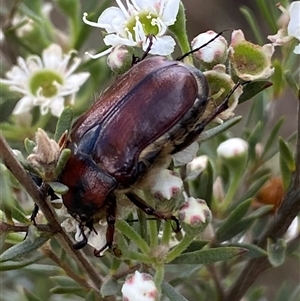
248, 60
220, 85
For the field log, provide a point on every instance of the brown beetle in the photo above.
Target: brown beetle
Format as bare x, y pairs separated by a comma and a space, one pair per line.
152, 111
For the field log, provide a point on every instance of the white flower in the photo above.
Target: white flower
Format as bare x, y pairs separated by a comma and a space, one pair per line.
289, 26
214, 53
140, 287
133, 26
45, 81
293, 28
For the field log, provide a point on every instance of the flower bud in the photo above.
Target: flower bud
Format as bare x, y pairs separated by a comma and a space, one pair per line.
220, 85
195, 167
248, 60
234, 153
166, 187
120, 59
140, 287
212, 54
194, 215
233, 147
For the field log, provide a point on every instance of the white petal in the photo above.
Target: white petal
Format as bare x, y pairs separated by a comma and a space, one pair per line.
52, 56
170, 12
111, 19
294, 24
77, 79
297, 49
162, 45
97, 56
25, 104
123, 9
57, 106
114, 40
186, 155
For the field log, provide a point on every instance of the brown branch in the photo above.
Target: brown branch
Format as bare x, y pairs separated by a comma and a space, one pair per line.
32, 189
5, 227
285, 215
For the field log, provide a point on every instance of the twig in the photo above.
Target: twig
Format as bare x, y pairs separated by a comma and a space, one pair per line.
5, 227
50, 254
20, 174
211, 268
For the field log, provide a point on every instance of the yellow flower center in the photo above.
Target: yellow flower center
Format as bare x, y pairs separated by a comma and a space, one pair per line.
45, 82
148, 21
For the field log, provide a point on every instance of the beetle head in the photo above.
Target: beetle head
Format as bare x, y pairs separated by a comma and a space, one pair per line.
89, 188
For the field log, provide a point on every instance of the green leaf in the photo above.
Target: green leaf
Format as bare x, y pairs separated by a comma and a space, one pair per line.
234, 217
290, 78
276, 251
277, 78
171, 292
253, 88
91, 296
253, 250
29, 145
62, 161
196, 245
269, 13
19, 216
254, 138
256, 187
110, 287
273, 136
7, 266
76, 290
63, 281
58, 187
64, 123
30, 296
209, 255
24, 247
252, 21
179, 31
287, 163
219, 129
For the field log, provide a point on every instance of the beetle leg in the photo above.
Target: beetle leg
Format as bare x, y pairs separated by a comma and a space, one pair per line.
140, 203
111, 219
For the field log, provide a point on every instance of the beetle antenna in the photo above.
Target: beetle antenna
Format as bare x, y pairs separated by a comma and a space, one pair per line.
202, 46
136, 59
